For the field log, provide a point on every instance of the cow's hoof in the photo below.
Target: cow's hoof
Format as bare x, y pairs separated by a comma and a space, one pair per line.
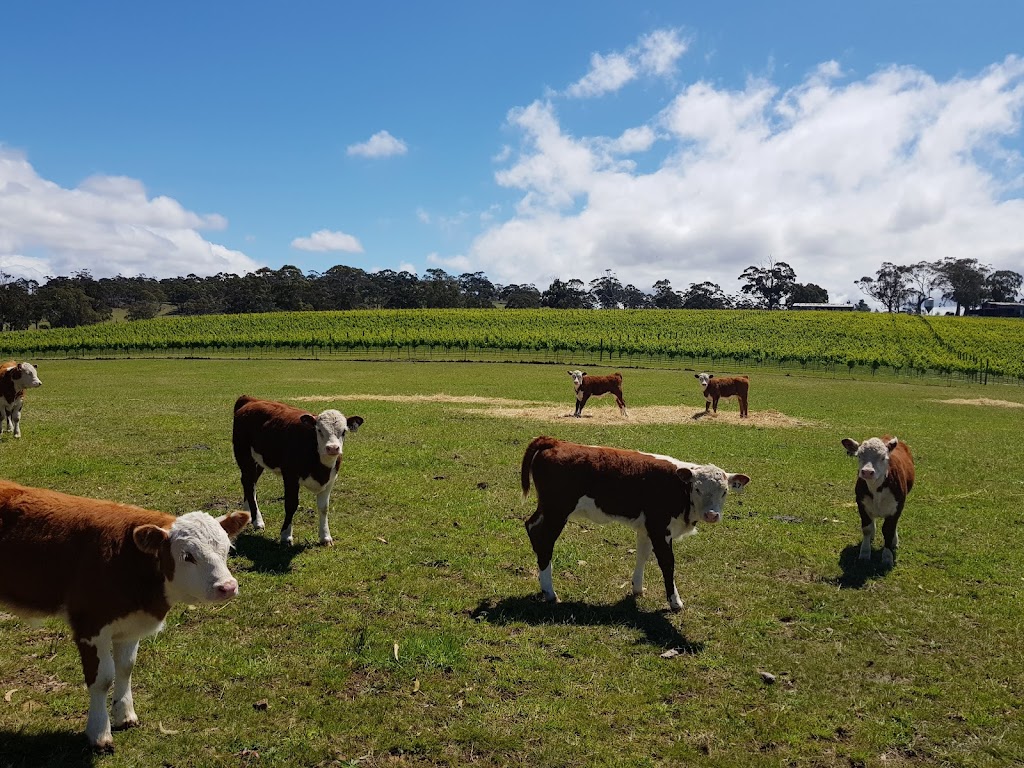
328, 542
259, 526
549, 599
104, 747
636, 594
128, 722
864, 556
676, 608
888, 558
287, 540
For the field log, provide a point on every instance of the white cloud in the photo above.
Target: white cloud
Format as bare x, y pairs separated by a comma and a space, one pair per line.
107, 225
833, 177
455, 264
654, 54
381, 144
327, 240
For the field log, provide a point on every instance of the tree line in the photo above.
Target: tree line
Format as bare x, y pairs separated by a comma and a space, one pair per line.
966, 282
81, 299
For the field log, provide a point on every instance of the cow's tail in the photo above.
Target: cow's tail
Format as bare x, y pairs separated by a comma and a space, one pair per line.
536, 446
242, 400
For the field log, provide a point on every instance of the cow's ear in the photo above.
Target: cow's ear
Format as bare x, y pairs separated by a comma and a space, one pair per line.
711, 375
149, 538
893, 442
851, 446
307, 419
233, 523
685, 474
354, 422
569, 372
696, 375
737, 481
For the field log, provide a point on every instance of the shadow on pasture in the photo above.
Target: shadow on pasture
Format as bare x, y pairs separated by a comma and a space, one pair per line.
49, 749
267, 553
702, 415
857, 573
656, 626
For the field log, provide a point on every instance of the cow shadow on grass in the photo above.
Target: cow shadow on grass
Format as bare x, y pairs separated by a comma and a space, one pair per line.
656, 626
857, 572
268, 555
49, 749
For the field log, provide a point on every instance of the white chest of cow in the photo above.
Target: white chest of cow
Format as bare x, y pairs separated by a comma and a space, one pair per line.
881, 503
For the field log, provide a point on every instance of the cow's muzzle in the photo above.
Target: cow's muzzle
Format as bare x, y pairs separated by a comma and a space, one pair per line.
712, 516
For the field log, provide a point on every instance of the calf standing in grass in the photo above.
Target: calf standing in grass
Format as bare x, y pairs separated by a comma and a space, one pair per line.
595, 386
661, 498
15, 378
723, 386
112, 571
302, 448
884, 478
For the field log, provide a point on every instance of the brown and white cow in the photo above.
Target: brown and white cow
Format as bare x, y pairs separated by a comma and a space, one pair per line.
660, 497
304, 449
112, 571
587, 386
716, 388
885, 476
15, 378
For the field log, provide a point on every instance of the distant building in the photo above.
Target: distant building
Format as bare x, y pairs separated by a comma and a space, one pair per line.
1000, 309
823, 305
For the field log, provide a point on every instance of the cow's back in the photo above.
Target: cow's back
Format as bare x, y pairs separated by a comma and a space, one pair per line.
275, 431
61, 552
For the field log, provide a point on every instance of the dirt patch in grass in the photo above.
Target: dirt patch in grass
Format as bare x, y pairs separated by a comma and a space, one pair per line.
982, 401
438, 398
538, 410
651, 414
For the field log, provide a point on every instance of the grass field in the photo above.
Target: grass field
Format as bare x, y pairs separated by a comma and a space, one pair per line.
416, 640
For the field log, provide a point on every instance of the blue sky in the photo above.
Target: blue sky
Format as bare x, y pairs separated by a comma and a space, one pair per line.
525, 140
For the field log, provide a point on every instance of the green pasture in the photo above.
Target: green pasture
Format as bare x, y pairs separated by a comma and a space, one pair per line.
416, 640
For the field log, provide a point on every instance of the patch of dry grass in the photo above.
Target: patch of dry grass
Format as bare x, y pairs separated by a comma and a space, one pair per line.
987, 401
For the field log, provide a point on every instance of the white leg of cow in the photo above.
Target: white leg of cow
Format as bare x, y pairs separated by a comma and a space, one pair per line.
643, 553
98, 653
16, 419
254, 513
546, 586
323, 499
286, 535
865, 545
123, 709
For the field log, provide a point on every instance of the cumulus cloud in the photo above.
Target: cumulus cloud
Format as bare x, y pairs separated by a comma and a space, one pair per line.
381, 144
107, 225
833, 176
654, 54
324, 240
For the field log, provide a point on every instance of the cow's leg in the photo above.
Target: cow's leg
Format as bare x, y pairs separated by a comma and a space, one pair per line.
291, 503
622, 404
16, 418
892, 539
867, 527
643, 552
580, 402
544, 529
707, 403
714, 403
743, 407
251, 472
323, 499
98, 665
123, 709
662, 544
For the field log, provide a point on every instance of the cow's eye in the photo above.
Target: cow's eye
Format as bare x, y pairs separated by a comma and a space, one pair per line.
188, 557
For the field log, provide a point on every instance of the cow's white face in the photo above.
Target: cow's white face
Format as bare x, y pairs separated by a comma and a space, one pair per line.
710, 486
26, 376
577, 379
193, 555
331, 428
704, 378
872, 457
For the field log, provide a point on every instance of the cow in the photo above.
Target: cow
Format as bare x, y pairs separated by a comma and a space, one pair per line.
112, 571
15, 378
660, 497
304, 449
587, 386
723, 386
885, 476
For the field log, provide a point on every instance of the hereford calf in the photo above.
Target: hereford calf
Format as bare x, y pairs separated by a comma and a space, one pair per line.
884, 478
302, 448
594, 386
113, 572
723, 386
15, 378
661, 498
